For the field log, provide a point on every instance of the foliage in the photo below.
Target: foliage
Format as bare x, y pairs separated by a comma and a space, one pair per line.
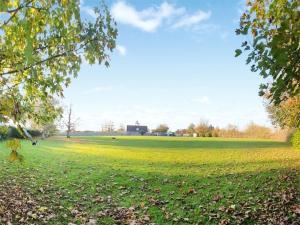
274, 50
191, 129
3, 132
48, 128
162, 128
43, 44
286, 114
203, 129
296, 139
14, 145
257, 131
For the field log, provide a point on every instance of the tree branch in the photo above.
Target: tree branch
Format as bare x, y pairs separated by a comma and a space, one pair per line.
14, 12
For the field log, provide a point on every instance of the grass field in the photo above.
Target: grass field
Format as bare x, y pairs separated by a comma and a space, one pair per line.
144, 180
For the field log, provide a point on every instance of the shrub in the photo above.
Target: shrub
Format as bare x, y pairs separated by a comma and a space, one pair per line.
289, 135
3, 132
296, 139
14, 145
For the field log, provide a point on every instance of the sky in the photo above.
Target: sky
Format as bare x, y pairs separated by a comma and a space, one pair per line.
174, 63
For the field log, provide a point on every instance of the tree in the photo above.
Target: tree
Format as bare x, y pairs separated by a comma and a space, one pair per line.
257, 131
49, 130
204, 129
42, 45
69, 122
231, 131
274, 50
286, 114
121, 128
48, 127
108, 127
191, 129
162, 128
181, 132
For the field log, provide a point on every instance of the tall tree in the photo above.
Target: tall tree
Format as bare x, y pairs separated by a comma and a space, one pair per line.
204, 129
274, 50
191, 128
108, 127
42, 45
162, 128
69, 121
47, 126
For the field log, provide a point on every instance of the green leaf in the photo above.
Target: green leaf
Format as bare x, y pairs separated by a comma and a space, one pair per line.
238, 52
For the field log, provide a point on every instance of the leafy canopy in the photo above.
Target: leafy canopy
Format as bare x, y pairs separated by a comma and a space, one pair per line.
286, 114
161, 128
42, 45
14, 145
274, 50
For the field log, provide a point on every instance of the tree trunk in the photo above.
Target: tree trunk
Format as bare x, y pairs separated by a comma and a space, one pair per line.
25, 133
69, 125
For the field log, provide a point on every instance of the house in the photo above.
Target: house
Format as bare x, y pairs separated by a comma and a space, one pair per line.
136, 130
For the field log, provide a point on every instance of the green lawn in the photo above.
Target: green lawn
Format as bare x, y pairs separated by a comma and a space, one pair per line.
144, 180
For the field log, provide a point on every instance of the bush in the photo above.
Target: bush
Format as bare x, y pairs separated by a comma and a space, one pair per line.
3, 132
14, 145
296, 139
289, 135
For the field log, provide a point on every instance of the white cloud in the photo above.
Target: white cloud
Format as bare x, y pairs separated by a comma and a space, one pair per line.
151, 18
190, 20
203, 100
97, 90
148, 19
121, 50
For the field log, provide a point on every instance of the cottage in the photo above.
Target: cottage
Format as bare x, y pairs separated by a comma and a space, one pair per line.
136, 130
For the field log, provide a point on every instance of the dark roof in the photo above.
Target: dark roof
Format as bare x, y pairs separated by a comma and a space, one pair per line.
135, 128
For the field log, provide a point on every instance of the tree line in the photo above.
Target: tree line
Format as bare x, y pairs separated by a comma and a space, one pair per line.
252, 130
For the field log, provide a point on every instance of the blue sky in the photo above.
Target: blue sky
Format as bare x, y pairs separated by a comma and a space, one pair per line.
174, 64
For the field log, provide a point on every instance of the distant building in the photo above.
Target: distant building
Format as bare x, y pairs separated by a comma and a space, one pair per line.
136, 130
168, 133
